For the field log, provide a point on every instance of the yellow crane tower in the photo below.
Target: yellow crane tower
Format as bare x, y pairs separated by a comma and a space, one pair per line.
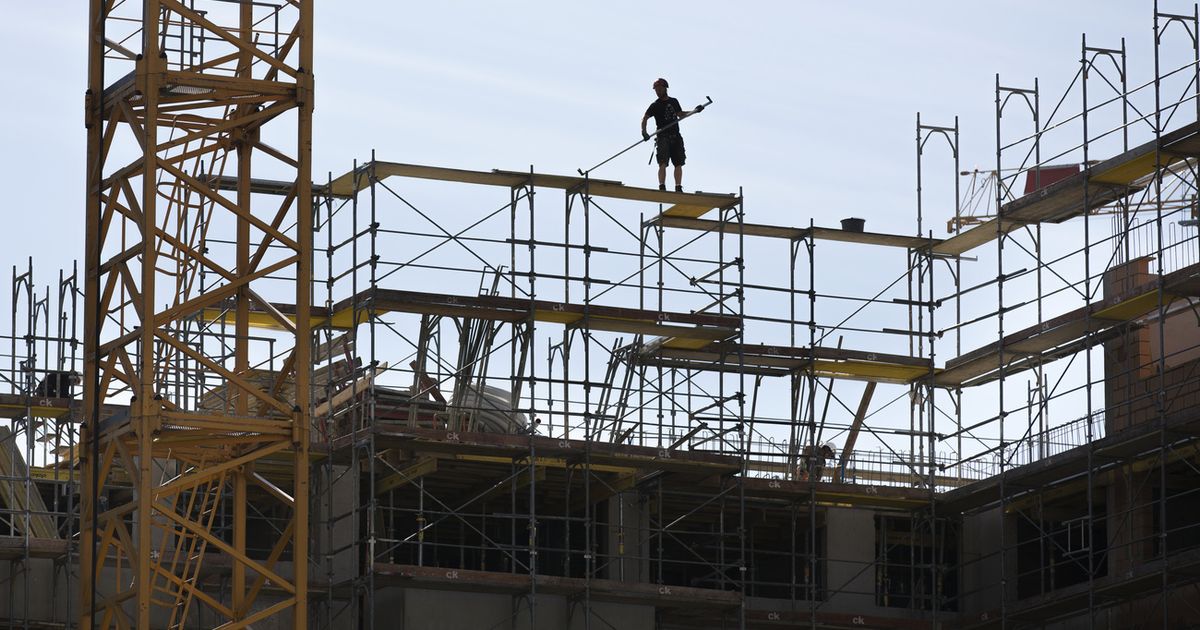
175, 429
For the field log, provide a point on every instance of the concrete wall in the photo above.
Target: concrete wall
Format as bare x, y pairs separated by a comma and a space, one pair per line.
38, 591
628, 545
419, 609
850, 565
338, 500
981, 562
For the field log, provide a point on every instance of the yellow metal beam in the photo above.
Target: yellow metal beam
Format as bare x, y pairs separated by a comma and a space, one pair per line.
1133, 170
867, 370
686, 343
691, 211
1133, 307
36, 410
348, 184
422, 467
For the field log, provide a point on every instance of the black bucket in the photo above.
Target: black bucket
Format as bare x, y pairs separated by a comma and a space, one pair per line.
853, 225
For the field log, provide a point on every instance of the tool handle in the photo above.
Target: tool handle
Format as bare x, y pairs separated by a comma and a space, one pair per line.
708, 101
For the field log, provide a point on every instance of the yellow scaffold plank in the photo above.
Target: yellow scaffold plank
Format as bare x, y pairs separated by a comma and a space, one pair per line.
264, 321
687, 210
686, 343
422, 467
871, 238
257, 319
348, 184
701, 336
1132, 308
868, 370
351, 182
556, 317
9, 410
344, 319
964, 242
606, 318
1133, 170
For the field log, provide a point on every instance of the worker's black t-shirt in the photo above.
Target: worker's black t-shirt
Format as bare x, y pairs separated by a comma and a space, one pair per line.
665, 111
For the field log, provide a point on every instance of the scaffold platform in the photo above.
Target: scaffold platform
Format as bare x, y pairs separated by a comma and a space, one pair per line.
1093, 187
769, 360
1067, 333
794, 233
679, 204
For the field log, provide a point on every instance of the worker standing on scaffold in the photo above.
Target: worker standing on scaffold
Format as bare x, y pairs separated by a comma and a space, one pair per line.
668, 142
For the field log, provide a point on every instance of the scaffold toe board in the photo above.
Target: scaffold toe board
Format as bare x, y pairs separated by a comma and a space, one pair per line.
688, 204
769, 618
1186, 282
848, 494
677, 329
438, 578
1063, 335
767, 360
871, 238
670, 325
14, 548
353, 181
686, 210
964, 242
685, 199
260, 318
684, 221
18, 406
509, 448
728, 227
1096, 186
262, 186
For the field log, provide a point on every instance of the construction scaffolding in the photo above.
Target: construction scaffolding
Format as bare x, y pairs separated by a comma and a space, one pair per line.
1090, 519
617, 408
523, 409
547, 444
39, 519
492, 456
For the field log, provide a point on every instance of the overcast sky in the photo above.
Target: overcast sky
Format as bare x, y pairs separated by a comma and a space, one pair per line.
814, 101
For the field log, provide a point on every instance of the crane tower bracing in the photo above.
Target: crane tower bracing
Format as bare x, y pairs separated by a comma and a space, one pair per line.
181, 92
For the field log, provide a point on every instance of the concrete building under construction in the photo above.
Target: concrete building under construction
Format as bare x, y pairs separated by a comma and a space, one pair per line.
267, 399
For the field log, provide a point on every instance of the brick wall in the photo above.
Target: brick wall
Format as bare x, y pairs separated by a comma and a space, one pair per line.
1132, 385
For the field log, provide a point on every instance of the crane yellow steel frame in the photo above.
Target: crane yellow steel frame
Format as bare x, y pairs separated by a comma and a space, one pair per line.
178, 92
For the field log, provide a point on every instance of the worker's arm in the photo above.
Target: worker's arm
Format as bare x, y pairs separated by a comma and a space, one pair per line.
683, 114
645, 136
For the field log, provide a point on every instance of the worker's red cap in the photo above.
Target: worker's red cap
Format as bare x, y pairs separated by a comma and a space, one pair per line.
662, 81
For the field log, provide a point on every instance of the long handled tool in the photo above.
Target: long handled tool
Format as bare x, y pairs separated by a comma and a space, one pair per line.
699, 109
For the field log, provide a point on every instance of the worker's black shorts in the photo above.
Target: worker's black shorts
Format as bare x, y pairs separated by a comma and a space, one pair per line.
670, 149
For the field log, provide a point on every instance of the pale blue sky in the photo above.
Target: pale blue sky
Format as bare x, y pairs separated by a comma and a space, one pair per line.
814, 110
